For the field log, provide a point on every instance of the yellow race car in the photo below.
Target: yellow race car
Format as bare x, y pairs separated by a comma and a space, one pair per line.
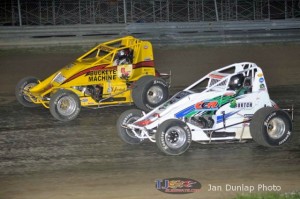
116, 72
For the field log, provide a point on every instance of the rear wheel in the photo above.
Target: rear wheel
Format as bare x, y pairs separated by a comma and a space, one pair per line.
126, 134
23, 86
150, 92
271, 127
65, 105
173, 137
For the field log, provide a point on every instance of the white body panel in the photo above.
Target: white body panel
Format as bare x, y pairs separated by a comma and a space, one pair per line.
216, 112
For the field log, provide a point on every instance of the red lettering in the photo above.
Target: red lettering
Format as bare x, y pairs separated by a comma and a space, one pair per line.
206, 105
212, 104
199, 105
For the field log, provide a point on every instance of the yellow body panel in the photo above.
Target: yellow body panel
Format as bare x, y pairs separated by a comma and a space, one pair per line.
96, 71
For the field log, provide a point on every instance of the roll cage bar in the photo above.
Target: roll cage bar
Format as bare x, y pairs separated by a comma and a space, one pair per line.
218, 80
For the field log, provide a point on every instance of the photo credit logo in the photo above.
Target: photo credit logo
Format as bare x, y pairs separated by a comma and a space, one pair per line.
177, 185
244, 188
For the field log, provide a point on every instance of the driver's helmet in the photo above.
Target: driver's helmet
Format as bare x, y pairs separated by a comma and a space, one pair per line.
123, 54
236, 82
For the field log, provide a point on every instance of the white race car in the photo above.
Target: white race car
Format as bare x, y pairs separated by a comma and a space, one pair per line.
228, 104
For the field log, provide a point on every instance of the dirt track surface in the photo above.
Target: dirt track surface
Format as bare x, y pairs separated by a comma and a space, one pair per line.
43, 158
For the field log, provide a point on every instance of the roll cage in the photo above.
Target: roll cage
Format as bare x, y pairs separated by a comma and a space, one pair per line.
107, 51
218, 80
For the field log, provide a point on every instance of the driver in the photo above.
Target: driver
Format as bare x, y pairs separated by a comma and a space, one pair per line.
236, 84
123, 56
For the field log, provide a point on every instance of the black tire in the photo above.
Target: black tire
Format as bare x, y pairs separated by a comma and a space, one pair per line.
128, 117
149, 92
65, 105
173, 137
25, 84
271, 127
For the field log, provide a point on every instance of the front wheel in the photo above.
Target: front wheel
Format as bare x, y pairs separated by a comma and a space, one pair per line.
23, 86
150, 92
270, 127
65, 105
173, 137
126, 134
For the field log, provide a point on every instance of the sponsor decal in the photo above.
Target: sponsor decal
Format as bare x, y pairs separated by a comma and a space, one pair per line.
177, 185
261, 80
260, 75
102, 75
86, 72
124, 71
262, 86
207, 105
118, 89
241, 105
233, 103
244, 105
200, 106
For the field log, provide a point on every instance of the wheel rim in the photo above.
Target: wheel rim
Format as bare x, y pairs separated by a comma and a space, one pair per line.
26, 88
66, 105
276, 128
155, 94
130, 121
175, 137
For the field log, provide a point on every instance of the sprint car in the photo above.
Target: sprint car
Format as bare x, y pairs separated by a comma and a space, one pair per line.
113, 73
227, 105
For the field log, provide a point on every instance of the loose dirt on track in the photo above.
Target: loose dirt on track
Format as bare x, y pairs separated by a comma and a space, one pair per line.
42, 158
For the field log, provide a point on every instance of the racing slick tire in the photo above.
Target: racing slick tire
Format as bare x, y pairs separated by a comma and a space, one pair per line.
150, 92
271, 127
25, 84
128, 117
64, 105
173, 137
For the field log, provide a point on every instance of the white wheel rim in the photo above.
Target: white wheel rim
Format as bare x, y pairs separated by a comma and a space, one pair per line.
130, 132
66, 105
155, 94
175, 137
26, 88
276, 128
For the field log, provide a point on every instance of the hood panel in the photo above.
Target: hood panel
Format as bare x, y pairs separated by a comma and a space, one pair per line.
65, 74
